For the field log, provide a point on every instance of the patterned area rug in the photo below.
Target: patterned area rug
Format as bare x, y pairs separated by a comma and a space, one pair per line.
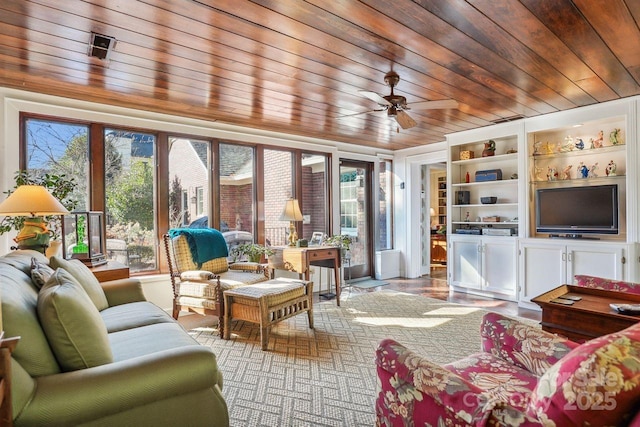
326, 376
366, 283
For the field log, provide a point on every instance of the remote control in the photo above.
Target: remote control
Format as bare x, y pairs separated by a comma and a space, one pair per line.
626, 308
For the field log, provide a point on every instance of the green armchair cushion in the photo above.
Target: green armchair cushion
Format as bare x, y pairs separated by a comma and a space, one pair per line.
85, 277
73, 326
40, 272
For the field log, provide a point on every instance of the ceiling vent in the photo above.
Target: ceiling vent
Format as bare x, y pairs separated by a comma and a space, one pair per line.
101, 46
508, 119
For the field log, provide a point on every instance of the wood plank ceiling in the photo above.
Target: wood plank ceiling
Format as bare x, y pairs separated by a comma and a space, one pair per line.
297, 66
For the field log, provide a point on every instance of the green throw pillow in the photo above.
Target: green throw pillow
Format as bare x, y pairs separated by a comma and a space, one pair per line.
40, 273
85, 277
73, 326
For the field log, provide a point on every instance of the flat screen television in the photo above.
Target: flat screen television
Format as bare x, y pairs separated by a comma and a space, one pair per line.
577, 210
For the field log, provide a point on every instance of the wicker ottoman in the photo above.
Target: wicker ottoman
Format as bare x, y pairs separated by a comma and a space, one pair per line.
268, 303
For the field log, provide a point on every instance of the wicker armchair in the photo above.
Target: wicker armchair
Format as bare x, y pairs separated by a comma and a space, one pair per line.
199, 288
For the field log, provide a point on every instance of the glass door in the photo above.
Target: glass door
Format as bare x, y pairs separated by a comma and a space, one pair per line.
355, 217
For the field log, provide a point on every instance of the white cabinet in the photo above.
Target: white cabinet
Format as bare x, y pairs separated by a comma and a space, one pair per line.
486, 264
547, 264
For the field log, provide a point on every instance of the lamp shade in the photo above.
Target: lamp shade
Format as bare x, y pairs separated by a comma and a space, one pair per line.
291, 211
432, 212
31, 200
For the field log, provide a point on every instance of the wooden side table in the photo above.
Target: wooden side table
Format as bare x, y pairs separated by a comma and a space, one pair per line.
112, 270
299, 259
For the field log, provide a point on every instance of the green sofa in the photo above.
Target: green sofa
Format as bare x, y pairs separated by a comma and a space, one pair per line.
99, 354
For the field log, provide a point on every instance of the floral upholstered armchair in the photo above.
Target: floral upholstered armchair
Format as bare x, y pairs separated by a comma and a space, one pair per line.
200, 272
523, 377
606, 284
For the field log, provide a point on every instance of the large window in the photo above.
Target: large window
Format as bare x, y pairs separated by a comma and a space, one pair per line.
205, 183
130, 202
385, 207
315, 205
349, 186
59, 148
189, 168
236, 188
278, 188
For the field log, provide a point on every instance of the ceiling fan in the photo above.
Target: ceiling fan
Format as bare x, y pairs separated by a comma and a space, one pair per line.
396, 106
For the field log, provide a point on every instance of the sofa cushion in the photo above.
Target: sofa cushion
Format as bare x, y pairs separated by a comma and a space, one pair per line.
40, 272
597, 383
20, 317
73, 325
136, 342
133, 315
85, 277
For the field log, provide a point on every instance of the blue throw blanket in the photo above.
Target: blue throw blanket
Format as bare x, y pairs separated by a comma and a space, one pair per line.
204, 243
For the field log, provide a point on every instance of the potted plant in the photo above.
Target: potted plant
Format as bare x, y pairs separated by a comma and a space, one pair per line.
342, 241
60, 186
252, 251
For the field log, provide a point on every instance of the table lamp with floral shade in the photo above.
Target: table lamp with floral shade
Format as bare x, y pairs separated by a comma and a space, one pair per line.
33, 202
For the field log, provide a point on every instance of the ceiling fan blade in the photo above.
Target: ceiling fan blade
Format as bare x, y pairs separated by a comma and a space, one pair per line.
404, 120
432, 105
374, 97
361, 113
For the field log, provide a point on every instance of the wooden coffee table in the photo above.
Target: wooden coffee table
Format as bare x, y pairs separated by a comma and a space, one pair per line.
588, 318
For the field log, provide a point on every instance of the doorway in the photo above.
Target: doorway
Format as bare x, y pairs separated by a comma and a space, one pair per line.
433, 219
356, 215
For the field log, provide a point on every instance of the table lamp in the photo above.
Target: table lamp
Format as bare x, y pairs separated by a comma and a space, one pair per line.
32, 201
292, 213
432, 214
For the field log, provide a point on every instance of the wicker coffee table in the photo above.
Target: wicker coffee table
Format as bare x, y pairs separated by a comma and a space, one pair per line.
268, 303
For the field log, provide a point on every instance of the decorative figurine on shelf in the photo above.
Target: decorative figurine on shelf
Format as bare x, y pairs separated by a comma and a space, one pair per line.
583, 170
611, 169
566, 172
537, 174
592, 170
489, 148
567, 146
549, 147
466, 218
614, 137
552, 173
580, 144
599, 141
537, 148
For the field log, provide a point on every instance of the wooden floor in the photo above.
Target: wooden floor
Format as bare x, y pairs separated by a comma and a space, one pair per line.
435, 286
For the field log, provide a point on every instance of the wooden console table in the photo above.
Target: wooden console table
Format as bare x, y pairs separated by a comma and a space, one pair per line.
438, 248
299, 259
588, 318
112, 270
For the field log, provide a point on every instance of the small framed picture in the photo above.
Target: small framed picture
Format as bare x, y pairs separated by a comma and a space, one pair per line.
316, 238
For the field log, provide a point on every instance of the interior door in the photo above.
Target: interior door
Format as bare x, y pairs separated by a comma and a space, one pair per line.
356, 216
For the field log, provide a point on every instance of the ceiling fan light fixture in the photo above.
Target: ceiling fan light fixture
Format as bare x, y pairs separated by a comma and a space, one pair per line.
392, 111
